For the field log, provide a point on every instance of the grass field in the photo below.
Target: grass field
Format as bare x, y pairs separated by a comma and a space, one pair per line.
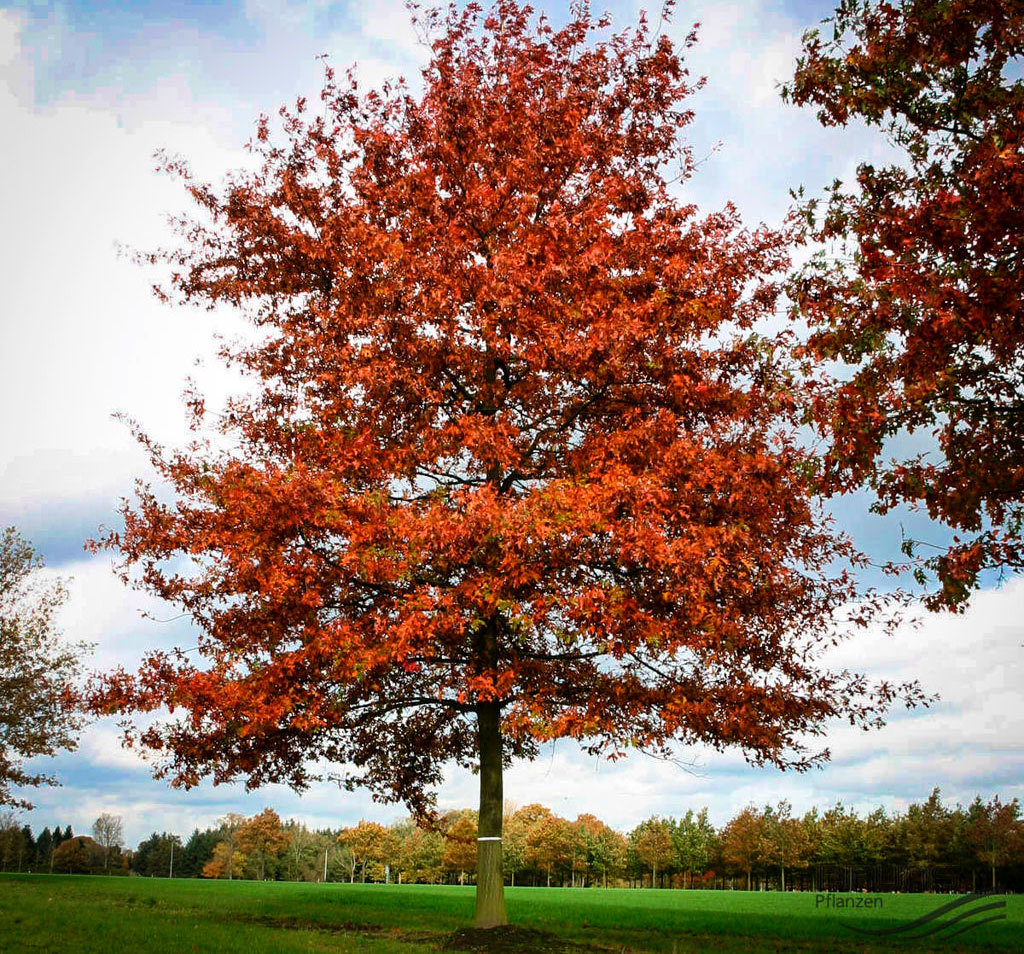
49, 913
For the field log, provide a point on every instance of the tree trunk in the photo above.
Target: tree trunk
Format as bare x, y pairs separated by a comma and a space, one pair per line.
783, 870
993, 877
490, 884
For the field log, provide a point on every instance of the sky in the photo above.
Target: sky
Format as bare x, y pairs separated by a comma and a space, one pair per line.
88, 92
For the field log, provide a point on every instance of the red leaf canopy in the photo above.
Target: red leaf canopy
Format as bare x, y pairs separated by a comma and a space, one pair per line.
926, 308
512, 439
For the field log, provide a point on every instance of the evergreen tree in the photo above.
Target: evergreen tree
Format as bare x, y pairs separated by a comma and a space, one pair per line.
197, 851
152, 858
28, 848
44, 849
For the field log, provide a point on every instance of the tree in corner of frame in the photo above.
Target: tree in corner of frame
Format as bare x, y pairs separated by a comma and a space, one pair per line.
918, 287
514, 467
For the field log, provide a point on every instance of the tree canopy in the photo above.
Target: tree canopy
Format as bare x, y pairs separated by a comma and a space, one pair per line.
923, 304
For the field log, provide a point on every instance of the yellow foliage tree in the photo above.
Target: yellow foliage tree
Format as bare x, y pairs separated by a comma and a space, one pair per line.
262, 837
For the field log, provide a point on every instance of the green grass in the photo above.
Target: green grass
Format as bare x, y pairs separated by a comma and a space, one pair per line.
47, 913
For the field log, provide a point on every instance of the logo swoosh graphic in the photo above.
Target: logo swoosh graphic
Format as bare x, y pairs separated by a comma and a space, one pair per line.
967, 914
927, 919
997, 917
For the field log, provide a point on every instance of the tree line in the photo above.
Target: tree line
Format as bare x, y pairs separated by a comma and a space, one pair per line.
979, 846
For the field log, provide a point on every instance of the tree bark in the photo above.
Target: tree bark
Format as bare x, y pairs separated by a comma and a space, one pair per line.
490, 884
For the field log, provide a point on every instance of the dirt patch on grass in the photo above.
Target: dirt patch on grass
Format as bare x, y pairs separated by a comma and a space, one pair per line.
308, 924
511, 939
507, 939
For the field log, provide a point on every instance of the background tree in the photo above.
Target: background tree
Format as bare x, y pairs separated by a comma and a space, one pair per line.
927, 307
108, 831
227, 861
78, 855
28, 848
368, 842
695, 841
521, 838
514, 831
607, 851
593, 845
926, 830
420, 853
741, 841
261, 839
784, 841
338, 857
197, 852
516, 465
152, 858
305, 851
39, 714
841, 837
585, 827
58, 837
229, 827
995, 831
652, 841
460, 833
10, 841
550, 844
44, 849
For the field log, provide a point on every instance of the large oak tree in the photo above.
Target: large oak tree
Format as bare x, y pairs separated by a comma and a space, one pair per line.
514, 467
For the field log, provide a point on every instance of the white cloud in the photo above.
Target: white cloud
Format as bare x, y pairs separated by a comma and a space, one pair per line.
388, 25
101, 746
83, 336
122, 623
745, 49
